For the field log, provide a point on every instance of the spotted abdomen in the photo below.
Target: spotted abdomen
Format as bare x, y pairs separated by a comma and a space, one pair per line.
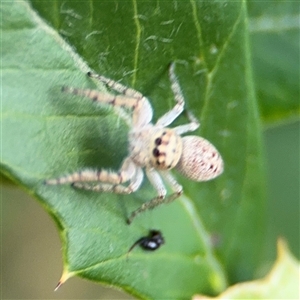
166, 149
200, 160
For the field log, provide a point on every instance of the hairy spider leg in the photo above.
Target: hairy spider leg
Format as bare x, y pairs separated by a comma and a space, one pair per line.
155, 179
142, 110
129, 171
171, 115
134, 184
192, 126
118, 87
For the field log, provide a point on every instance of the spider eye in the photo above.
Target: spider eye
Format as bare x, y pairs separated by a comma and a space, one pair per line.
200, 160
158, 141
155, 152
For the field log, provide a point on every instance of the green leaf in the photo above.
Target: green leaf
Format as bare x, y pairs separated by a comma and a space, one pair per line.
282, 282
275, 46
48, 134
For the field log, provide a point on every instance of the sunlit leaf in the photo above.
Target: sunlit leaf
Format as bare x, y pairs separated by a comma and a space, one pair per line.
282, 282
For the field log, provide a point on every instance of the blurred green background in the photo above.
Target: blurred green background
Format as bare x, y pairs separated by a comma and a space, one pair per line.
30, 240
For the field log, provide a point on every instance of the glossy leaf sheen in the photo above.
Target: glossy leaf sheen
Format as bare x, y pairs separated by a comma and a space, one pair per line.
48, 134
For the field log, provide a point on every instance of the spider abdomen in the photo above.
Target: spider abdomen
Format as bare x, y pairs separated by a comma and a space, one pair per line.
165, 149
200, 160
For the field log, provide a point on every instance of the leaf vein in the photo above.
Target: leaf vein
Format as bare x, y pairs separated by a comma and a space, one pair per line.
138, 41
198, 30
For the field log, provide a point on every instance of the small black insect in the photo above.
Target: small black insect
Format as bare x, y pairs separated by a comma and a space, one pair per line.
151, 242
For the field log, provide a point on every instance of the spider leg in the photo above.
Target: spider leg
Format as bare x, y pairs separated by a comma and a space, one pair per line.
96, 96
142, 110
157, 183
135, 183
171, 115
127, 172
118, 87
192, 126
176, 187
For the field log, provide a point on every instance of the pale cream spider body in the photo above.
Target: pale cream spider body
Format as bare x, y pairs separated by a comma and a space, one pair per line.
153, 147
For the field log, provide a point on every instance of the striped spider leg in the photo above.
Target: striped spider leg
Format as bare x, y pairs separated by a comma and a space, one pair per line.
153, 147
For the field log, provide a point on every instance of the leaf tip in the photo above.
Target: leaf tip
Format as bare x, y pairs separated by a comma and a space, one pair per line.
64, 277
58, 286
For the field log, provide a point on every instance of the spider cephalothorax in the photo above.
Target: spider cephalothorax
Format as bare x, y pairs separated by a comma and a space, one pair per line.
154, 147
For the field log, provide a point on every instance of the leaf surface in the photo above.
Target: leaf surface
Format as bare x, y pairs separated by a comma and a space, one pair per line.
48, 133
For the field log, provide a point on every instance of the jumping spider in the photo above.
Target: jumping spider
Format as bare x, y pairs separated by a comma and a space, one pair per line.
154, 147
